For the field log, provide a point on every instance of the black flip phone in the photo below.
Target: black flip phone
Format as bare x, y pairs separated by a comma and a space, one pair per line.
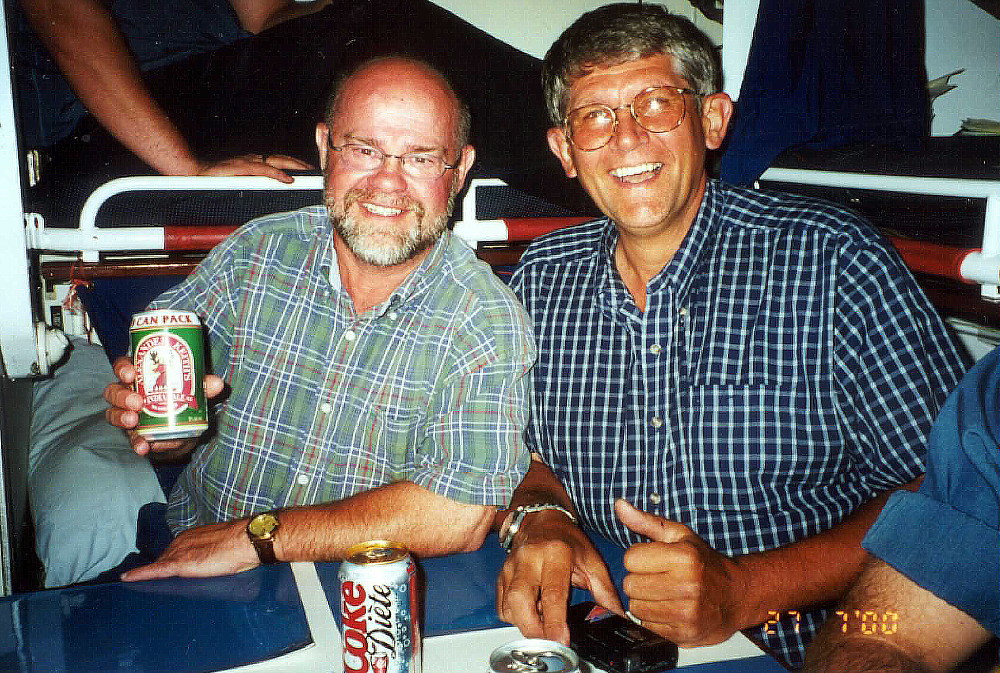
616, 644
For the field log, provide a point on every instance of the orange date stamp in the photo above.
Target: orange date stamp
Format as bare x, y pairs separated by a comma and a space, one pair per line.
866, 622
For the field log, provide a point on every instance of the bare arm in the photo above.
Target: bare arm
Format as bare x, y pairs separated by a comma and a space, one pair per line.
930, 636
94, 57
425, 523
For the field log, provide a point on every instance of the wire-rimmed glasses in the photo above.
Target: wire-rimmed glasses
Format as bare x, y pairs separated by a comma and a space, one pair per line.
658, 109
417, 165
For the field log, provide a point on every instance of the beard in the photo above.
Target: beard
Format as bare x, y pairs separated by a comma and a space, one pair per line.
385, 245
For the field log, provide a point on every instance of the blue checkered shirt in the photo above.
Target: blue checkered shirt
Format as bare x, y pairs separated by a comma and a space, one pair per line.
431, 386
786, 369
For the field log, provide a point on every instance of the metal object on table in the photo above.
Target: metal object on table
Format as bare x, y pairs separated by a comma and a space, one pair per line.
379, 609
534, 655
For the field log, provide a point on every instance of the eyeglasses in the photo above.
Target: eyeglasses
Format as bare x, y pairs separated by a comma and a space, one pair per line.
658, 109
417, 165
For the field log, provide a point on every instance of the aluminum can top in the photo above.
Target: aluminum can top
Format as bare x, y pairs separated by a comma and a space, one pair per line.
534, 655
375, 552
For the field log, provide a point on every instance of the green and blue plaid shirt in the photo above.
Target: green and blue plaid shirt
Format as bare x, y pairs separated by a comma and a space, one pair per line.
430, 387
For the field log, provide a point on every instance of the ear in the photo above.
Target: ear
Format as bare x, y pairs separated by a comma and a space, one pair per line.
559, 145
716, 111
464, 165
322, 134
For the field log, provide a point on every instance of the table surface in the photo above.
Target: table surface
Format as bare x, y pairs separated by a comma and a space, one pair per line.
278, 618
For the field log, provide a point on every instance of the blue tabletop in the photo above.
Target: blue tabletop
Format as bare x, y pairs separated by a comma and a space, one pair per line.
198, 625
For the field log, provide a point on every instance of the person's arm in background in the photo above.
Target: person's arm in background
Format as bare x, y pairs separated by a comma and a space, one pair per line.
258, 15
93, 55
927, 634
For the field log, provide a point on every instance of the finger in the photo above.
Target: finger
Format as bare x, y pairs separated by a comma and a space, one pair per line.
267, 171
124, 370
155, 570
288, 163
654, 527
553, 603
122, 397
213, 385
522, 610
245, 166
604, 593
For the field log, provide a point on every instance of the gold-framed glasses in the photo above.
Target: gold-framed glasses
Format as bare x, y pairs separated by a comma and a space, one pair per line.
658, 109
418, 165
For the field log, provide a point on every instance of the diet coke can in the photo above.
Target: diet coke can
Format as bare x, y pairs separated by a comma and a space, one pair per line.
168, 351
379, 609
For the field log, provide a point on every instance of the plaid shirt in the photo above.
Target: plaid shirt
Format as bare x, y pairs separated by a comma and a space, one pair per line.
787, 369
430, 386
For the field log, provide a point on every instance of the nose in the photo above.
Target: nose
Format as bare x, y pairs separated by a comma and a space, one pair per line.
389, 176
629, 133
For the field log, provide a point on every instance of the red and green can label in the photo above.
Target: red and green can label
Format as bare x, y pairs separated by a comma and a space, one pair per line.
169, 357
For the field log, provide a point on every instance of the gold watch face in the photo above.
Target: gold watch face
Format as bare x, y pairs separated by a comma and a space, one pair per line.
263, 525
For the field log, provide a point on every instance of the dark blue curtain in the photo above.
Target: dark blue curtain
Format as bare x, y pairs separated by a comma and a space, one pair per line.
824, 74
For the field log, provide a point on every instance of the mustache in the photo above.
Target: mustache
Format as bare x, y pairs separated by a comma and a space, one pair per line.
356, 195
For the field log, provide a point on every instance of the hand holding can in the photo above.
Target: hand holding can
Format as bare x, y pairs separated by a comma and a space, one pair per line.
168, 352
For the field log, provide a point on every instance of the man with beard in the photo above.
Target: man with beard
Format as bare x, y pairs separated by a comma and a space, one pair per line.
375, 370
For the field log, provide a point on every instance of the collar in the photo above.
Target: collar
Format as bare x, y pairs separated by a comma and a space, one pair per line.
678, 274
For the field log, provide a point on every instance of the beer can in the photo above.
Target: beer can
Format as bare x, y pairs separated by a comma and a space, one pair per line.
534, 655
168, 351
379, 609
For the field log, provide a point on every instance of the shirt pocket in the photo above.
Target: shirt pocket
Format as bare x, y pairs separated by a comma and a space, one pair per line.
752, 444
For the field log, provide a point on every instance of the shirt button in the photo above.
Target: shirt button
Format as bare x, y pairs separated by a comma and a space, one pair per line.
655, 349
656, 422
350, 335
655, 498
303, 479
325, 407
683, 311
393, 316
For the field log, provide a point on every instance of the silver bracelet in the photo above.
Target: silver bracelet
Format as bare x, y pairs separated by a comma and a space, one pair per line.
512, 523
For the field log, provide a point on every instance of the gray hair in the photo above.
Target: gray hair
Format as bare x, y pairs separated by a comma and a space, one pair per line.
623, 32
464, 116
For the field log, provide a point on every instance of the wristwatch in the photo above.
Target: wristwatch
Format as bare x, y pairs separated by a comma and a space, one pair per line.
512, 523
261, 530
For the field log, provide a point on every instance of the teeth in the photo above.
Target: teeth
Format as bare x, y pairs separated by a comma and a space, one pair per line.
384, 211
635, 170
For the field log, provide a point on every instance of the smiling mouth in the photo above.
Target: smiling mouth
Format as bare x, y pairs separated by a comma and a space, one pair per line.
382, 211
637, 173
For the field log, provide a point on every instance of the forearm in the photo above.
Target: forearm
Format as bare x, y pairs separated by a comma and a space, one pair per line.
813, 571
928, 636
859, 654
92, 54
425, 523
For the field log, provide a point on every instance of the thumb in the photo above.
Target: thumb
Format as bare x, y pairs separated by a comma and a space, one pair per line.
654, 527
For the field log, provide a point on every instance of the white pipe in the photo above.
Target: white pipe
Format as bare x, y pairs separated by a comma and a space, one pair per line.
478, 231
90, 240
980, 268
466, 228
957, 187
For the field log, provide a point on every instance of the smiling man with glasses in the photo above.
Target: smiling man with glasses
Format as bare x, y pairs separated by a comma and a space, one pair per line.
729, 381
377, 371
